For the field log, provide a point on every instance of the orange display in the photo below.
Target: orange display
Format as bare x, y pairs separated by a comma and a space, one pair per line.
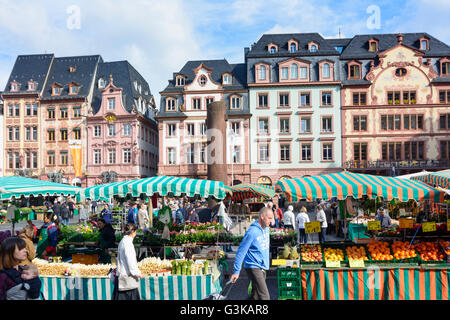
379, 250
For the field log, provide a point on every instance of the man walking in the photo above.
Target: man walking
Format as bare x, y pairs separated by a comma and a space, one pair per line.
254, 252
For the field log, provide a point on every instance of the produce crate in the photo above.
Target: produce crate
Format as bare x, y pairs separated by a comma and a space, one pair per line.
289, 286
335, 246
288, 273
290, 293
85, 258
312, 263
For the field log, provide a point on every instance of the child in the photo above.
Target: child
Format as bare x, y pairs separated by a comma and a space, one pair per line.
30, 276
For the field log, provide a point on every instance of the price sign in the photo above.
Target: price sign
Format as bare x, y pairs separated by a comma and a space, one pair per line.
374, 225
312, 227
278, 262
332, 264
356, 263
406, 223
429, 226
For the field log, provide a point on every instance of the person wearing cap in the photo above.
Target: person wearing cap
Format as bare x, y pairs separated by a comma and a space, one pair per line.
384, 218
300, 220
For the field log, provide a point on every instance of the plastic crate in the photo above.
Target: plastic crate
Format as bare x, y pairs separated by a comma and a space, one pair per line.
290, 293
288, 273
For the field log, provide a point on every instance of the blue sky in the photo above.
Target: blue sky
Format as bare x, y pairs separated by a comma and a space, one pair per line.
158, 37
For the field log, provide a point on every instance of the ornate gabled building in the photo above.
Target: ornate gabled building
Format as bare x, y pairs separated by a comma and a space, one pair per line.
122, 132
395, 103
182, 119
22, 125
294, 93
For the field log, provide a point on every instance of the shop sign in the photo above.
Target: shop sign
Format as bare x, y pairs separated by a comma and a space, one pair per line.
312, 227
374, 225
429, 226
406, 223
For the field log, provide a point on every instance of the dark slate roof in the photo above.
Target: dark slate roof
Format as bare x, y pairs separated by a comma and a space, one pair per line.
338, 42
260, 47
355, 82
83, 75
441, 79
29, 67
358, 48
124, 75
219, 67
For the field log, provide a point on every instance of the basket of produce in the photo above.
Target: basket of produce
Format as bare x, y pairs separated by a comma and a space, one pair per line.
335, 253
431, 252
356, 253
379, 252
311, 254
404, 252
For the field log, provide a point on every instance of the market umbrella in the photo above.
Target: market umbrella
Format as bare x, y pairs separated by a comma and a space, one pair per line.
411, 175
106, 191
21, 186
344, 184
436, 179
164, 185
246, 191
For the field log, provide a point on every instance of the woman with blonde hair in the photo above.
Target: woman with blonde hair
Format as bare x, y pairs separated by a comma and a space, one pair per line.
27, 234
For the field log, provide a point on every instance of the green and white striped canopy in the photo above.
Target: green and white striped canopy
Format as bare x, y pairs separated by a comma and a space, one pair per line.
106, 191
243, 191
163, 185
436, 179
21, 186
344, 184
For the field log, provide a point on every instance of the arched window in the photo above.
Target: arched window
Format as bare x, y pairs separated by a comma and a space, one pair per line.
313, 48
273, 49
293, 47
262, 73
294, 71
326, 71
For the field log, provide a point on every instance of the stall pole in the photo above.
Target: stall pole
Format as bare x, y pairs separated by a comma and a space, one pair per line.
150, 211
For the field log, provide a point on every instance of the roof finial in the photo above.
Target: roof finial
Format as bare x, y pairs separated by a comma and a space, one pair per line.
111, 80
399, 38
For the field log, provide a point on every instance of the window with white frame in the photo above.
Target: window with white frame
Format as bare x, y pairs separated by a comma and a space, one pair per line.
263, 152
235, 102
236, 127
180, 81
294, 71
190, 127
285, 152
284, 73
35, 133
284, 99
196, 104
327, 151
305, 99
171, 104
306, 152
326, 71
171, 156
203, 153
111, 103
209, 100
284, 125
237, 154
171, 129
326, 98
111, 130
303, 72
262, 72
327, 124
190, 154
64, 157
111, 156
127, 129
203, 128
305, 125
127, 155
226, 79
263, 126
97, 131
97, 156
293, 47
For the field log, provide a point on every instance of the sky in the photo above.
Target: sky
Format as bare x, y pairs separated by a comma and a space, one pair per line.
159, 36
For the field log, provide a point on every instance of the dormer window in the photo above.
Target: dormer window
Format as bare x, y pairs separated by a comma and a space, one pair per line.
202, 80
313, 47
101, 83
262, 73
14, 86
272, 47
445, 67
235, 102
293, 47
326, 71
180, 81
73, 89
31, 86
354, 70
373, 45
72, 69
170, 104
424, 45
226, 79
56, 91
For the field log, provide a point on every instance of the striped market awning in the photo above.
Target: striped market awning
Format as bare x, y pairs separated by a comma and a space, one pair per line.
163, 185
344, 184
106, 191
21, 186
435, 179
243, 191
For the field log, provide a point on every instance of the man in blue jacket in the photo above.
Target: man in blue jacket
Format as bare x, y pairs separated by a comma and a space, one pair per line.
254, 252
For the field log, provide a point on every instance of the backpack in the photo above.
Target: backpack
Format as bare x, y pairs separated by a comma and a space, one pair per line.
20, 290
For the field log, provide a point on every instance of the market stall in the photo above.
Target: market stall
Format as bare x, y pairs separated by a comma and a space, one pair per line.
437, 179
344, 270
165, 280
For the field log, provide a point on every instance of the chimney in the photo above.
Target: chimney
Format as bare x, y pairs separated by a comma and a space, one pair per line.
246, 50
399, 38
